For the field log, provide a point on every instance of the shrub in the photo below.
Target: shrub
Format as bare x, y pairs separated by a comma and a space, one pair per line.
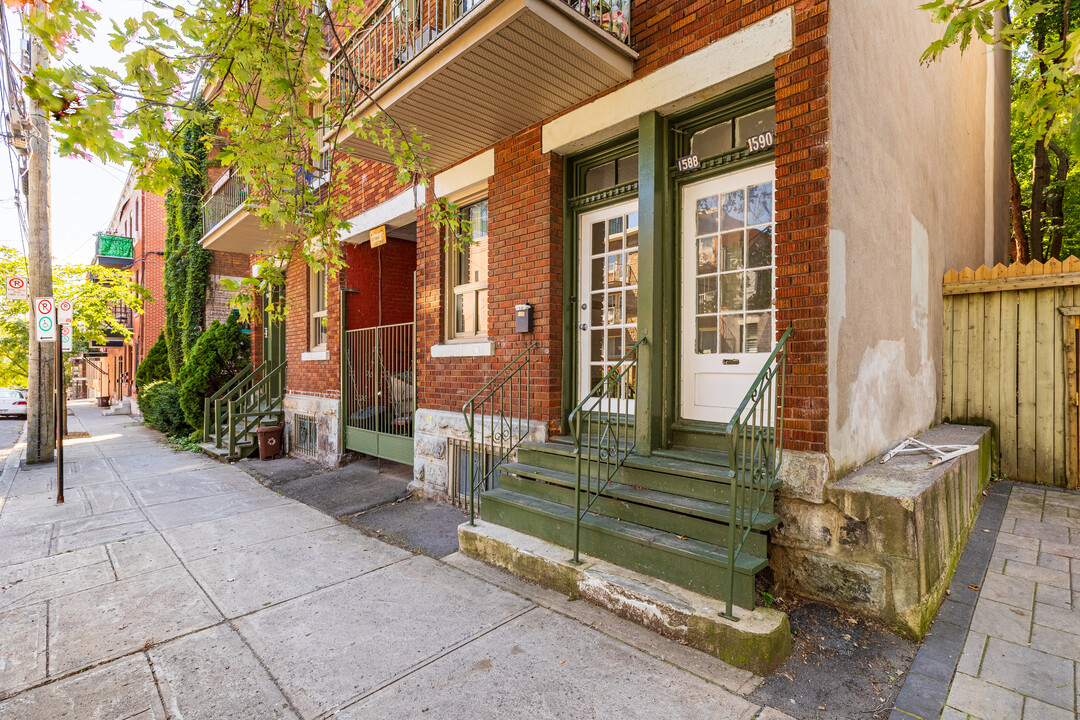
219, 353
160, 405
155, 366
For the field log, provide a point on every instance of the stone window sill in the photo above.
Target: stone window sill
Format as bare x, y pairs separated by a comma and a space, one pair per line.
463, 349
315, 355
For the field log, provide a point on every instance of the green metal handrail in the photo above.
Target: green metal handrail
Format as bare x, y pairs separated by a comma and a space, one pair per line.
209, 404
756, 453
499, 403
607, 408
266, 397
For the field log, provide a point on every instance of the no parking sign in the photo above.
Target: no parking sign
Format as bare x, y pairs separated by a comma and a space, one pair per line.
67, 312
44, 319
16, 288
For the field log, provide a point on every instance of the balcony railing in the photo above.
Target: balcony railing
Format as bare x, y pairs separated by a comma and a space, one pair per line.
407, 27
222, 202
124, 317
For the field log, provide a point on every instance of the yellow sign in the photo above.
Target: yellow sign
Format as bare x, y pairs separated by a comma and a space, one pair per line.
378, 236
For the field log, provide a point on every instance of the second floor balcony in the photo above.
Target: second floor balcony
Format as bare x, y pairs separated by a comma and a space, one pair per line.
468, 73
113, 251
227, 225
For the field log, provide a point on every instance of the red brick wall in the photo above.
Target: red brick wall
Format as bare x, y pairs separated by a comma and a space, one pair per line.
320, 378
525, 265
383, 277
230, 264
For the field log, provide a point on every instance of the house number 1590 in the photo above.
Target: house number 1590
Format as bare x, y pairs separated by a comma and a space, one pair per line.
759, 142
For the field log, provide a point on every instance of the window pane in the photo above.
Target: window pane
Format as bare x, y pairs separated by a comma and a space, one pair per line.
596, 309
600, 177
631, 307
597, 340
706, 335
759, 202
734, 210
598, 236
706, 295
615, 271
613, 314
481, 311
706, 255
759, 333
614, 344
731, 247
731, 333
759, 290
463, 267
632, 268
751, 125
760, 253
598, 266
712, 141
706, 215
627, 169
731, 291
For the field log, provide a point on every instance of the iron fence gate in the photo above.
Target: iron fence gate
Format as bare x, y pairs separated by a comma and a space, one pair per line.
380, 391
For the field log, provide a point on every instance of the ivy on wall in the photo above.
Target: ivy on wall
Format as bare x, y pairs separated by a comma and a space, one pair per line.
187, 263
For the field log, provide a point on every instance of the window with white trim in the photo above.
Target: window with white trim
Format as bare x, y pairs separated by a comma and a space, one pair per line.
317, 307
467, 270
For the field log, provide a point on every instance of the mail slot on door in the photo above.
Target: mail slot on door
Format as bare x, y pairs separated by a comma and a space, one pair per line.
731, 361
523, 318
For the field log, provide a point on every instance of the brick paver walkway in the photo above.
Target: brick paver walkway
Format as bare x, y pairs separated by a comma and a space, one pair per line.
1022, 653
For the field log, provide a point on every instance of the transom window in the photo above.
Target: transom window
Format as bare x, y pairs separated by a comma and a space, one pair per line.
731, 134
317, 305
735, 265
610, 174
468, 273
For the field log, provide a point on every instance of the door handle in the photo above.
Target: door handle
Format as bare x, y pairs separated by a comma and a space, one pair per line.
584, 326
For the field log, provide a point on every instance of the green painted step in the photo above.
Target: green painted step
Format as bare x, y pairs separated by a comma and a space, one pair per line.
694, 518
690, 563
678, 477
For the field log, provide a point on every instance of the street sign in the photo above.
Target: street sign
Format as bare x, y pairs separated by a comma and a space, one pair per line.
45, 320
67, 312
377, 236
17, 288
65, 337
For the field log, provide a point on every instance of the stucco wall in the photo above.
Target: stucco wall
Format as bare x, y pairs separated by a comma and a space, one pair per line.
914, 189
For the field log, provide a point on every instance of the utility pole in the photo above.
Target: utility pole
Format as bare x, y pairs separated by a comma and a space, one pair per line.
41, 426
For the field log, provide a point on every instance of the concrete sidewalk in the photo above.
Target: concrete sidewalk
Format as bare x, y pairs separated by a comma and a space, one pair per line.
171, 586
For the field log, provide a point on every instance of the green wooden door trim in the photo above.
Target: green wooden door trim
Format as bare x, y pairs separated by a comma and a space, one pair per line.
398, 448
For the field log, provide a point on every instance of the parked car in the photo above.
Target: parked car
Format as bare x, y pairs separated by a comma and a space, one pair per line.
12, 402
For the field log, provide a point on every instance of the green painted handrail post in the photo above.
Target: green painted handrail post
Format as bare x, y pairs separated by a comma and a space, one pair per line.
472, 460
576, 420
232, 431
206, 420
733, 504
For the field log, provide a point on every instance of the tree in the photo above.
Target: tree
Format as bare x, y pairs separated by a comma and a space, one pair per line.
219, 353
1044, 40
259, 65
155, 366
93, 290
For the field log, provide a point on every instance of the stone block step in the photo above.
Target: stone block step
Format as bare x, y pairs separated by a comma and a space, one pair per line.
699, 519
684, 561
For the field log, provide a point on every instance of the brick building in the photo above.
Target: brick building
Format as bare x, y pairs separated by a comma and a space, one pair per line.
703, 176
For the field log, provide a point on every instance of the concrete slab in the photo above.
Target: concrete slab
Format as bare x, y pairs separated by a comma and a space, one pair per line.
1029, 672
122, 689
140, 466
98, 529
107, 497
19, 592
188, 512
212, 674
1002, 621
346, 491
416, 524
983, 700
139, 555
378, 623
542, 666
106, 622
52, 565
187, 485
191, 542
23, 639
274, 472
253, 577
45, 514
24, 544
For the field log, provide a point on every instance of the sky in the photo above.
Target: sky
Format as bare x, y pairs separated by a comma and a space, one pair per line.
84, 193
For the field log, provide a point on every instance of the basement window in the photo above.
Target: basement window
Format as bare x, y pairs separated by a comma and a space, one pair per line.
305, 435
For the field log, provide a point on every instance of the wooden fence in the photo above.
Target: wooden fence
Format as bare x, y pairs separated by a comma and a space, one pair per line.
1010, 360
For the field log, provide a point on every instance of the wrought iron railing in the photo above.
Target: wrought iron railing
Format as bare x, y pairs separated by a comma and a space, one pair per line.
381, 378
756, 452
222, 202
407, 27
503, 407
603, 434
266, 398
215, 407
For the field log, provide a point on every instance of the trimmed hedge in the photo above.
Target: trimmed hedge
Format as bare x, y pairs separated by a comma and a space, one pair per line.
155, 366
220, 352
160, 405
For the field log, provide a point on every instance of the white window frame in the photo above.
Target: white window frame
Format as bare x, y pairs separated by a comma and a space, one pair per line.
477, 288
316, 316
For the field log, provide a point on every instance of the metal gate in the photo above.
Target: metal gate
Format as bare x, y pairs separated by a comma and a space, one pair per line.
380, 391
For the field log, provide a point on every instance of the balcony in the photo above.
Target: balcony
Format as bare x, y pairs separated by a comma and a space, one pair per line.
226, 223
113, 251
468, 73
113, 336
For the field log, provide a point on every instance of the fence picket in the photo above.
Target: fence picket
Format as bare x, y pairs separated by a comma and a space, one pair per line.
992, 365
948, 302
961, 334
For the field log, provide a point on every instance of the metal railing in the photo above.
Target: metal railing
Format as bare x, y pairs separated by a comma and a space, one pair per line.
265, 398
407, 27
381, 378
503, 406
222, 202
756, 452
215, 417
603, 434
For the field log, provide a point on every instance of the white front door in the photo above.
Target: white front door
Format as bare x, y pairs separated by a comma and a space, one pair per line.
728, 327
608, 299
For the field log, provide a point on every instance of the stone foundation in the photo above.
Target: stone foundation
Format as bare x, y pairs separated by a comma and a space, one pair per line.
432, 452
884, 540
325, 411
